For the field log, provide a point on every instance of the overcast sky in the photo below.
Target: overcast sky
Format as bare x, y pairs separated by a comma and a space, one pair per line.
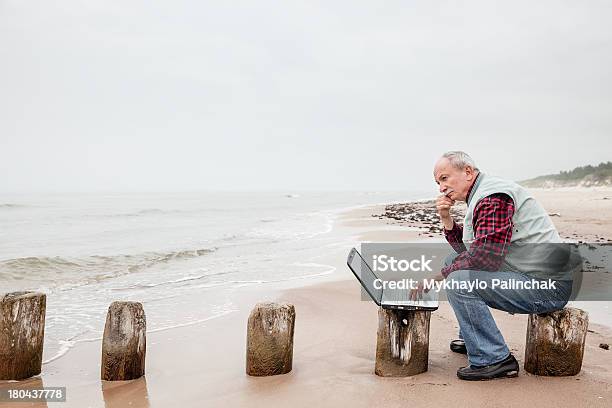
297, 95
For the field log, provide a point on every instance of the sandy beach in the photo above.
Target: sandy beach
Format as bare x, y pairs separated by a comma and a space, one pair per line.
203, 364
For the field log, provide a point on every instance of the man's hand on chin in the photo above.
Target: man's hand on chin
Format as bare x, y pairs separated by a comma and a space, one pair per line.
416, 294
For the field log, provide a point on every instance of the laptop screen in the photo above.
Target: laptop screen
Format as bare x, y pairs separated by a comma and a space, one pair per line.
388, 296
365, 275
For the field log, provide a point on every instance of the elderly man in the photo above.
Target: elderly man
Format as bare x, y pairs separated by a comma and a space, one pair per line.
500, 216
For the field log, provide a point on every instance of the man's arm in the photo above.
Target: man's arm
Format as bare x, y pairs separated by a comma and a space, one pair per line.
455, 237
492, 235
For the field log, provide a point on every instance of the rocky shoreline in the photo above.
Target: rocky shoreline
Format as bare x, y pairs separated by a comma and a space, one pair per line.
420, 214
423, 215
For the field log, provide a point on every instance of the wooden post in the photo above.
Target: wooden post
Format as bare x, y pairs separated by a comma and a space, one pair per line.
555, 342
124, 344
270, 339
402, 347
22, 333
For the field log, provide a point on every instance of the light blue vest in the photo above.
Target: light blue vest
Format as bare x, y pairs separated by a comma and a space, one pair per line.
536, 248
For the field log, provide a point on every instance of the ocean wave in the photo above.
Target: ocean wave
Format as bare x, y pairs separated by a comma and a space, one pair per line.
158, 211
143, 212
147, 211
100, 266
139, 285
328, 270
11, 206
297, 227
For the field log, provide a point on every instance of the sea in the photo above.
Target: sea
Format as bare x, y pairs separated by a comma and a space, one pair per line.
162, 249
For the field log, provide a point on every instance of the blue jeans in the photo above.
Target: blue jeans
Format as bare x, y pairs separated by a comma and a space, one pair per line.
484, 342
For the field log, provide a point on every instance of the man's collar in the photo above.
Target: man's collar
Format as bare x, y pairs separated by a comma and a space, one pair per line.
476, 180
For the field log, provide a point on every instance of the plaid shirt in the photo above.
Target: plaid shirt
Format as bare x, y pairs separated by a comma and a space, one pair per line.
492, 223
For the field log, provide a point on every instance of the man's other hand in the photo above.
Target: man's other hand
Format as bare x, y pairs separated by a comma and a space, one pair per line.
417, 294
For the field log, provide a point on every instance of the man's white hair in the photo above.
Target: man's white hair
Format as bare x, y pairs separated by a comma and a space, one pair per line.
460, 160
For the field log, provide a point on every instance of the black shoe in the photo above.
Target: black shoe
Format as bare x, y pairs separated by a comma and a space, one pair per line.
458, 346
507, 368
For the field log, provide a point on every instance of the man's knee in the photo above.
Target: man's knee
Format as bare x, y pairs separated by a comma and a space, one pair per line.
460, 275
457, 284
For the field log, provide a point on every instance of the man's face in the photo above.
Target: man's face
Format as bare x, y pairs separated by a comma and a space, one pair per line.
453, 182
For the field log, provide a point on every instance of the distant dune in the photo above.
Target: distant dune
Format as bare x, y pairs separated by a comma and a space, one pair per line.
585, 176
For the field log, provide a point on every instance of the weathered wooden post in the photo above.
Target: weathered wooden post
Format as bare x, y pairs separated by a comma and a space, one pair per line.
22, 332
402, 347
555, 342
270, 339
124, 344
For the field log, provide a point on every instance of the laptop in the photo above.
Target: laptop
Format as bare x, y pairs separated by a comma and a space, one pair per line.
386, 298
